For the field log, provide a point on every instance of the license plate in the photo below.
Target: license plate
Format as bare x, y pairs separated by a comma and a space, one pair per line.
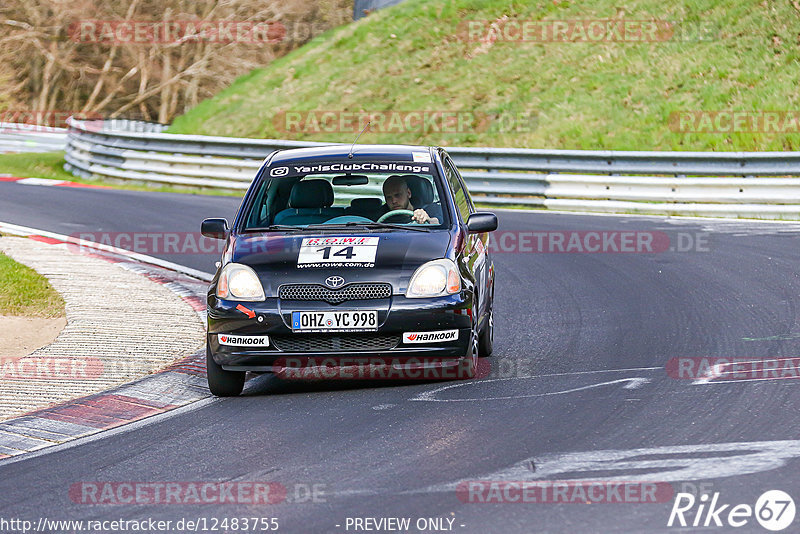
339, 321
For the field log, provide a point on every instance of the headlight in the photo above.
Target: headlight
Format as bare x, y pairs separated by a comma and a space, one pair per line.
239, 282
435, 279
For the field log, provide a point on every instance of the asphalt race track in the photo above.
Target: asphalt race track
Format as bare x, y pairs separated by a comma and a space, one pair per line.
577, 390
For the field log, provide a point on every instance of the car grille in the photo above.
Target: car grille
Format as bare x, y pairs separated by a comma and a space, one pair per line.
357, 291
335, 343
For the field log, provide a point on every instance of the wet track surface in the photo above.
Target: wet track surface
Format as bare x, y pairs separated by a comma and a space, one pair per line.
577, 385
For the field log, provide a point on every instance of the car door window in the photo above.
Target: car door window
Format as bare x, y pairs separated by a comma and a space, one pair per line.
463, 185
459, 195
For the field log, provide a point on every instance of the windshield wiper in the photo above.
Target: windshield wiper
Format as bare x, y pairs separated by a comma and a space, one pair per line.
335, 226
416, 228
323, 226
371, 225
275, 227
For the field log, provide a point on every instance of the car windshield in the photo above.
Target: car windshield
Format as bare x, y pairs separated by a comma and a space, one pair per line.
341, 195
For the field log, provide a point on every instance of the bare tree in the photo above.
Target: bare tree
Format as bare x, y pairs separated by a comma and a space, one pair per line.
57, 55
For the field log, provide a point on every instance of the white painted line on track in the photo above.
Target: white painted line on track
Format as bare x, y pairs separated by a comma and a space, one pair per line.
718, 370
709, 376
571, 373
546, 375
740, 380
428, 396
670, 463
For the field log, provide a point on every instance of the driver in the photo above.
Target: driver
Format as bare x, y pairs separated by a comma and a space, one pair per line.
398, 197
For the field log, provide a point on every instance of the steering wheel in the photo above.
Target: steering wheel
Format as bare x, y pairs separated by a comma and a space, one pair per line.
393, 213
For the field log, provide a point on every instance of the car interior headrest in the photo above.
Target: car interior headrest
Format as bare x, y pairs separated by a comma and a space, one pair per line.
311, 194
421, 190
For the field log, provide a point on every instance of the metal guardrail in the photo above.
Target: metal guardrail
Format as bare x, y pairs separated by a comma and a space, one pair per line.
728, 184
31, 138
362, 7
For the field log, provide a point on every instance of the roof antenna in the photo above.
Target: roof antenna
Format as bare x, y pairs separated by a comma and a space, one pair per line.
350, 155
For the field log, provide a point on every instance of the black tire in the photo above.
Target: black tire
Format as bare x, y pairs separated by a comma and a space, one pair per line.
468, 367
223, 383
486, 340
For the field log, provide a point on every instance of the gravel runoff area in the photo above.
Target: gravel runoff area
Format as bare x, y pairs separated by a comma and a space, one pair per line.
120, 326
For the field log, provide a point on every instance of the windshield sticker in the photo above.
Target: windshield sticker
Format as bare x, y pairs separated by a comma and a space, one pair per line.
324, 252
327, 168
421, 157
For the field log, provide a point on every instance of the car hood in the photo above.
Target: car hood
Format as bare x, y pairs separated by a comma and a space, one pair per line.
275, 257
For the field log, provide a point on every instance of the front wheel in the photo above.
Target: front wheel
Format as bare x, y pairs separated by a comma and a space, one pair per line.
486, 342
468, 367
223, 383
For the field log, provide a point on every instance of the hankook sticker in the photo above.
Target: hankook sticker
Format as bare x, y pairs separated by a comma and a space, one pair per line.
243, 341
430, 337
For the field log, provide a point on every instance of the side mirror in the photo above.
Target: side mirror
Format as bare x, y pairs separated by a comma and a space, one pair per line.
482, 221
214, 228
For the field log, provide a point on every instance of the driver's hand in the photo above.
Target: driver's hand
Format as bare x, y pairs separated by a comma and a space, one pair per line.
421, 217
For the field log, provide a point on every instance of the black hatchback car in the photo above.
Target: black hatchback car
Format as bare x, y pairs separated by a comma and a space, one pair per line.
338, 252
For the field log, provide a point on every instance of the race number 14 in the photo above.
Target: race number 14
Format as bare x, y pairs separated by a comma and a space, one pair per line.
338, 250
345, 252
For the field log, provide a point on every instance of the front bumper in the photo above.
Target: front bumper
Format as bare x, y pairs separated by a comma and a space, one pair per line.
396, 315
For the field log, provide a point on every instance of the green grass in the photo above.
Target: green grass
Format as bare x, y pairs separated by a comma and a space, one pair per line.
35, 164
584, 95
24, 292
51, 165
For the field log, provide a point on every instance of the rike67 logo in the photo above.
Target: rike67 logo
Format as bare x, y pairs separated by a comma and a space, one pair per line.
774, 510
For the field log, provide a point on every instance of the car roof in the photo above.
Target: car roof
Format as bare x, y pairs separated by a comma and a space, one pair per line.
334, 152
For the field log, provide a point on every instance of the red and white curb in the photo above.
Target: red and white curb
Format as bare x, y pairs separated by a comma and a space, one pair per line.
177, 385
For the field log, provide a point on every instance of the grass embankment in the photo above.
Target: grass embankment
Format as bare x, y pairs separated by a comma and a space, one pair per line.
737, 55
24, 292
39, 164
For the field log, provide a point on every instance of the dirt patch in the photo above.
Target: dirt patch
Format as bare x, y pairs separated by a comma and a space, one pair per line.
20, 336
